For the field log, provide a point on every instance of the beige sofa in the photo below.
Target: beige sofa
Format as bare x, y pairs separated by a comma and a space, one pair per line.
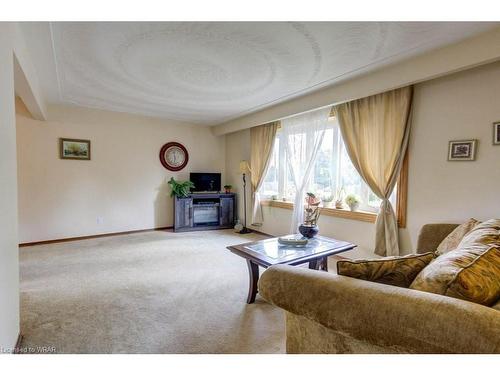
328, 313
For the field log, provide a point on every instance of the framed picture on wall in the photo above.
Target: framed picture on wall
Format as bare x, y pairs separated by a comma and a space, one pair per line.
76, 149
462, 150
496, 133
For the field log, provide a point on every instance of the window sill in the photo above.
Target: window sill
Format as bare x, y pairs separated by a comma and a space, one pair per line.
369, 217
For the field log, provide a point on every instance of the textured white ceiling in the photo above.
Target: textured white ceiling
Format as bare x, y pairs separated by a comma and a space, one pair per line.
209, 73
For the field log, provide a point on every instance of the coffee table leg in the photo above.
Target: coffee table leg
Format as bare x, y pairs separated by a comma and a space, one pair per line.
314, 264
324, 264
319, 264
253, 272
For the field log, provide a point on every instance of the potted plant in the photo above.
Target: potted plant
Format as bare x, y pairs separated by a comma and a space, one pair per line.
352, 201
327, 201
180, 188
339, 198
227, 188
311, 215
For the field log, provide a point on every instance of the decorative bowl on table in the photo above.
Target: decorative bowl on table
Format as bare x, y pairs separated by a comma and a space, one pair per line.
308, 231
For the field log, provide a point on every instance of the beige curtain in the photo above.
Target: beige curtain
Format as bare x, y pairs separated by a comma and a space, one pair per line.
376, 130
261, 148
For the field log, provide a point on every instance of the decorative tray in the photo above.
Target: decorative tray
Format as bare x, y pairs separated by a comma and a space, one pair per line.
292, 241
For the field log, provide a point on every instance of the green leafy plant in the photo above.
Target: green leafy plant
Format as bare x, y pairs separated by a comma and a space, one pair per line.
180, 188
228, 187
352, 199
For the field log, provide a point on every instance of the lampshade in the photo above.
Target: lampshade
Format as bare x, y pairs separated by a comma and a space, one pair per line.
244, 167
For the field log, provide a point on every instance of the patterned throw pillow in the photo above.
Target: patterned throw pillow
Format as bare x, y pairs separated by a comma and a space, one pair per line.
452, 240
470, 272
398, 271
487, 233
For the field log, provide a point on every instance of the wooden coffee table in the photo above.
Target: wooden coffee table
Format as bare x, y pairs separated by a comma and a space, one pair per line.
268, 252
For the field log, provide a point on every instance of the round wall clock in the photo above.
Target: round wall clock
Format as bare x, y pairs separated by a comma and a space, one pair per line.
174, 156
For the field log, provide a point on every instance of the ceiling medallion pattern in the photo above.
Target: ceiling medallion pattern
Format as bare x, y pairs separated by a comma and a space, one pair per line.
209, 72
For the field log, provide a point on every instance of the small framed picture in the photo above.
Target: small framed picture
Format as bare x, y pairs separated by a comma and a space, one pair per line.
76, 149
462, 150
496, 133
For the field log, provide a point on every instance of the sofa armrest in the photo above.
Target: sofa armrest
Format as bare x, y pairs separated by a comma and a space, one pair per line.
383, 315
431, 235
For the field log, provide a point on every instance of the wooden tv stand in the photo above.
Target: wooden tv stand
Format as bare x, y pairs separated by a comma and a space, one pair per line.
204, 211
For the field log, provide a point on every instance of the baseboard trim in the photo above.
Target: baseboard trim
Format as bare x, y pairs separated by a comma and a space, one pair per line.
17, 348
46, 242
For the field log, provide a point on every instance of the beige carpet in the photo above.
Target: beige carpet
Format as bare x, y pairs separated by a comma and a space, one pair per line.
154, 292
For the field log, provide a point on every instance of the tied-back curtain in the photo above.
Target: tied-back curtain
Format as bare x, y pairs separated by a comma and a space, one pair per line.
375, 131
261, 148
302, 137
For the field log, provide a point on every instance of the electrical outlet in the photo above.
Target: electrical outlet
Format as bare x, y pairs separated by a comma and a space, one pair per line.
100, 220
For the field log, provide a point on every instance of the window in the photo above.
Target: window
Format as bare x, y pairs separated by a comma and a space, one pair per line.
333, 171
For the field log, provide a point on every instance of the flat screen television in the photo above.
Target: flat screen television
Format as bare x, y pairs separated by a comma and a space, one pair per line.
205, 182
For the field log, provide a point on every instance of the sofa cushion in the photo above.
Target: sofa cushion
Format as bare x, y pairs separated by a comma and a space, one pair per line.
398, 271
452, 240
486, 233
470, 272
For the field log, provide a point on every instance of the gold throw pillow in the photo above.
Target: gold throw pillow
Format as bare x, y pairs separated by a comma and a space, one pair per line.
470, 272
487, 233
452, 240
398, 271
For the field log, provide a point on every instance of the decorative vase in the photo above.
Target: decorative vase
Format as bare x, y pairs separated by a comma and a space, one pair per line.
354, 206
339, 205
308, 231
227, 191
312, 201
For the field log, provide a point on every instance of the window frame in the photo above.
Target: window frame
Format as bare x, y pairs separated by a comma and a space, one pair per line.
361, 215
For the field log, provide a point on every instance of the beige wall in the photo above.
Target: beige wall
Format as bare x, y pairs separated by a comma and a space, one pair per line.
459, 106
124, 186
9, 263
12, 76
